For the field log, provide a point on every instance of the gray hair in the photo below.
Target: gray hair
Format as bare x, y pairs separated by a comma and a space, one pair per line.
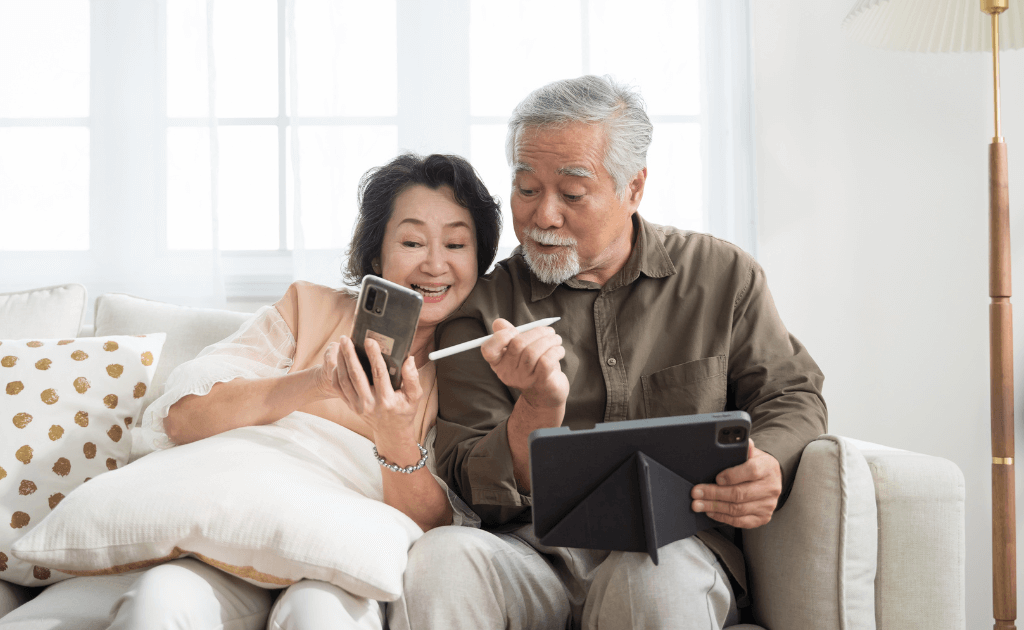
592, 100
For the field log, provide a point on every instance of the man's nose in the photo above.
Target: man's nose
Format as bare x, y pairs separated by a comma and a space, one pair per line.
549, 212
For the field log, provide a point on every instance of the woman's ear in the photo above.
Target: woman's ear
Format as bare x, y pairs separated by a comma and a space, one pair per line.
375, 264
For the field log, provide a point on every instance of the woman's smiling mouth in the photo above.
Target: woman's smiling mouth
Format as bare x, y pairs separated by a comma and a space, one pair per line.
432, 294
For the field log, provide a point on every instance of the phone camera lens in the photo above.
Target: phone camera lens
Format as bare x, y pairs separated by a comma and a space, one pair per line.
377, 310
371, 299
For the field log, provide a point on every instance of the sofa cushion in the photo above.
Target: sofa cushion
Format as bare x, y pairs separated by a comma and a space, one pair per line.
299, 498
66, 409
188, 329
47, 313
813, 565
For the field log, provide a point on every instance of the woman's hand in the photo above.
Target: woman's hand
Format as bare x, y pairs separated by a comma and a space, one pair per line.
391, 414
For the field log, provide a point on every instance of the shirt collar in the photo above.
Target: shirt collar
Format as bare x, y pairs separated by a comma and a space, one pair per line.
648, 257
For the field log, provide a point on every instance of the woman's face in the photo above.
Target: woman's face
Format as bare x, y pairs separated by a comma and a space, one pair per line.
430, 247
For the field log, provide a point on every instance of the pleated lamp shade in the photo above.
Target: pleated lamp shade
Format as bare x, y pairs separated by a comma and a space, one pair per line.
933, 25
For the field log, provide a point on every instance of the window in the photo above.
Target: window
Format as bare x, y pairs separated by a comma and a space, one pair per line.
192, 150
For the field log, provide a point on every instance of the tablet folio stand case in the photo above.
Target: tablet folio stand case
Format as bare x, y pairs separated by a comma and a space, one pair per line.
643, 504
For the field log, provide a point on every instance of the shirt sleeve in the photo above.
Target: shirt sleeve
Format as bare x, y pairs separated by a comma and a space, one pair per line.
474, 456
462, 514
773, 378
262, 347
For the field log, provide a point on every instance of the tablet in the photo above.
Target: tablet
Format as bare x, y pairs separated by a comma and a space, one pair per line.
625, 486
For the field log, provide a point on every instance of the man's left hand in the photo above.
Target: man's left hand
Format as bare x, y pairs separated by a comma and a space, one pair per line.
743, 496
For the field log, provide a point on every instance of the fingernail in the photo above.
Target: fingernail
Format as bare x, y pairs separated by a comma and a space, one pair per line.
698, 493
698, 506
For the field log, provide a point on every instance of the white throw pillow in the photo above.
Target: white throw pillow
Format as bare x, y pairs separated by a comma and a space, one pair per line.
273, 504
66, 409
43, 313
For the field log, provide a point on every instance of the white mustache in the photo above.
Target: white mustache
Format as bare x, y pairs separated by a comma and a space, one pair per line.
549, 238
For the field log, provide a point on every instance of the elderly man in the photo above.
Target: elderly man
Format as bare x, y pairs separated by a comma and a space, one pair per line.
655, 322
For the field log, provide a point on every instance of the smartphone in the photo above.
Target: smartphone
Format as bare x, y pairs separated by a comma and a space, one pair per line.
387, 313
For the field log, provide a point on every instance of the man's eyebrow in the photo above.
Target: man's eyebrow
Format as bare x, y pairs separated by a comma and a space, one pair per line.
576, 171
520, 167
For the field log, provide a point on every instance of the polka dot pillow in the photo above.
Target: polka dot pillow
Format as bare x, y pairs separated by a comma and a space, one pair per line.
66, 407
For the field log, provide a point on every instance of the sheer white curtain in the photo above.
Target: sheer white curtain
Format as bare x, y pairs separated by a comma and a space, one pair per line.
208, 152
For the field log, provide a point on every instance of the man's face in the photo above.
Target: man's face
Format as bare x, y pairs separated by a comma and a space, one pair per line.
564, 207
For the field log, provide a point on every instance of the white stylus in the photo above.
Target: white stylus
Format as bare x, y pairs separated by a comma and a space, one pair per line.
476, 343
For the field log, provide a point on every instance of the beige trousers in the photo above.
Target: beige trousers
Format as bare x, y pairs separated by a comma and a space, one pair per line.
460, 577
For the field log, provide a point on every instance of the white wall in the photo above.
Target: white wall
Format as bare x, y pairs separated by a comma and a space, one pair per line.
873, 200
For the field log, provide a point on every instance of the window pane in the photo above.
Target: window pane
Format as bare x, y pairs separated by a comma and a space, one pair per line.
662, 58
346, 57
44, 58
332, 159
516, 47
673, 193
188, 188
247, 207
44, 189
245, 68
487, 153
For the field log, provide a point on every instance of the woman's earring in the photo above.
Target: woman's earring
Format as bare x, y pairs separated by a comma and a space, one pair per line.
376, 265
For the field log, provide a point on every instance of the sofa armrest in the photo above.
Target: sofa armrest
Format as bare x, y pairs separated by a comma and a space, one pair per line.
870, 537
813, 565
921, 580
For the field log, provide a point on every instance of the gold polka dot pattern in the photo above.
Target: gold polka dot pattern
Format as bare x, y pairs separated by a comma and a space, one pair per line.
62, 466
66, 420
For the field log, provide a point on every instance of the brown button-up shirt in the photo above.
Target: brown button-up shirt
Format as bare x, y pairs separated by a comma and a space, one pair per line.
687, 326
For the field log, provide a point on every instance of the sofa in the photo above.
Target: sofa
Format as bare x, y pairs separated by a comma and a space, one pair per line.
870, 536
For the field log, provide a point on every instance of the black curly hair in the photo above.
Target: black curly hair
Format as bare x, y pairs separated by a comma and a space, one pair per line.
380, 187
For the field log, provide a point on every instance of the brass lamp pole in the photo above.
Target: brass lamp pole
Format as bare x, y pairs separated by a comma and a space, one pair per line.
1004, 534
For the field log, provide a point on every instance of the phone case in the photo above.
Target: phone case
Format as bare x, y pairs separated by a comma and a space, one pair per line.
388, 313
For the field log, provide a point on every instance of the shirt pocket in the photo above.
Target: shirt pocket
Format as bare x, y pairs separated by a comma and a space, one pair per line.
688, 388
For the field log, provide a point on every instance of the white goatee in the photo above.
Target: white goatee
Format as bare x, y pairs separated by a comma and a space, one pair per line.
554, 268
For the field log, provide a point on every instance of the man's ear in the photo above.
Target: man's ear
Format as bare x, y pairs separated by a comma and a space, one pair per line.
636, 188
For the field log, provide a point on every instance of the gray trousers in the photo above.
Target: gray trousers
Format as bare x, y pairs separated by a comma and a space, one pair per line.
459, 577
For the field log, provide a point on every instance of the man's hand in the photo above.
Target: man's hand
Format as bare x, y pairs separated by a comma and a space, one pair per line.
528, 361
744, 496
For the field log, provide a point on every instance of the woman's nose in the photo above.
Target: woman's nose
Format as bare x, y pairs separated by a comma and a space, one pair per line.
435, 262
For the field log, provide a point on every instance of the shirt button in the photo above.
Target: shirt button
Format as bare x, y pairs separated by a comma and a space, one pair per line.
611, 361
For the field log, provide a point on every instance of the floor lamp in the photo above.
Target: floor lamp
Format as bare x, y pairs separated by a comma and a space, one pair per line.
959, 26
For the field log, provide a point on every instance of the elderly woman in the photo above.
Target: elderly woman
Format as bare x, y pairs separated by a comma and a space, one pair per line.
428, 224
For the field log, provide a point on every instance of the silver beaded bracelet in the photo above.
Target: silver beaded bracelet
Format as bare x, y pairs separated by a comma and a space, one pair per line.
407, 469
